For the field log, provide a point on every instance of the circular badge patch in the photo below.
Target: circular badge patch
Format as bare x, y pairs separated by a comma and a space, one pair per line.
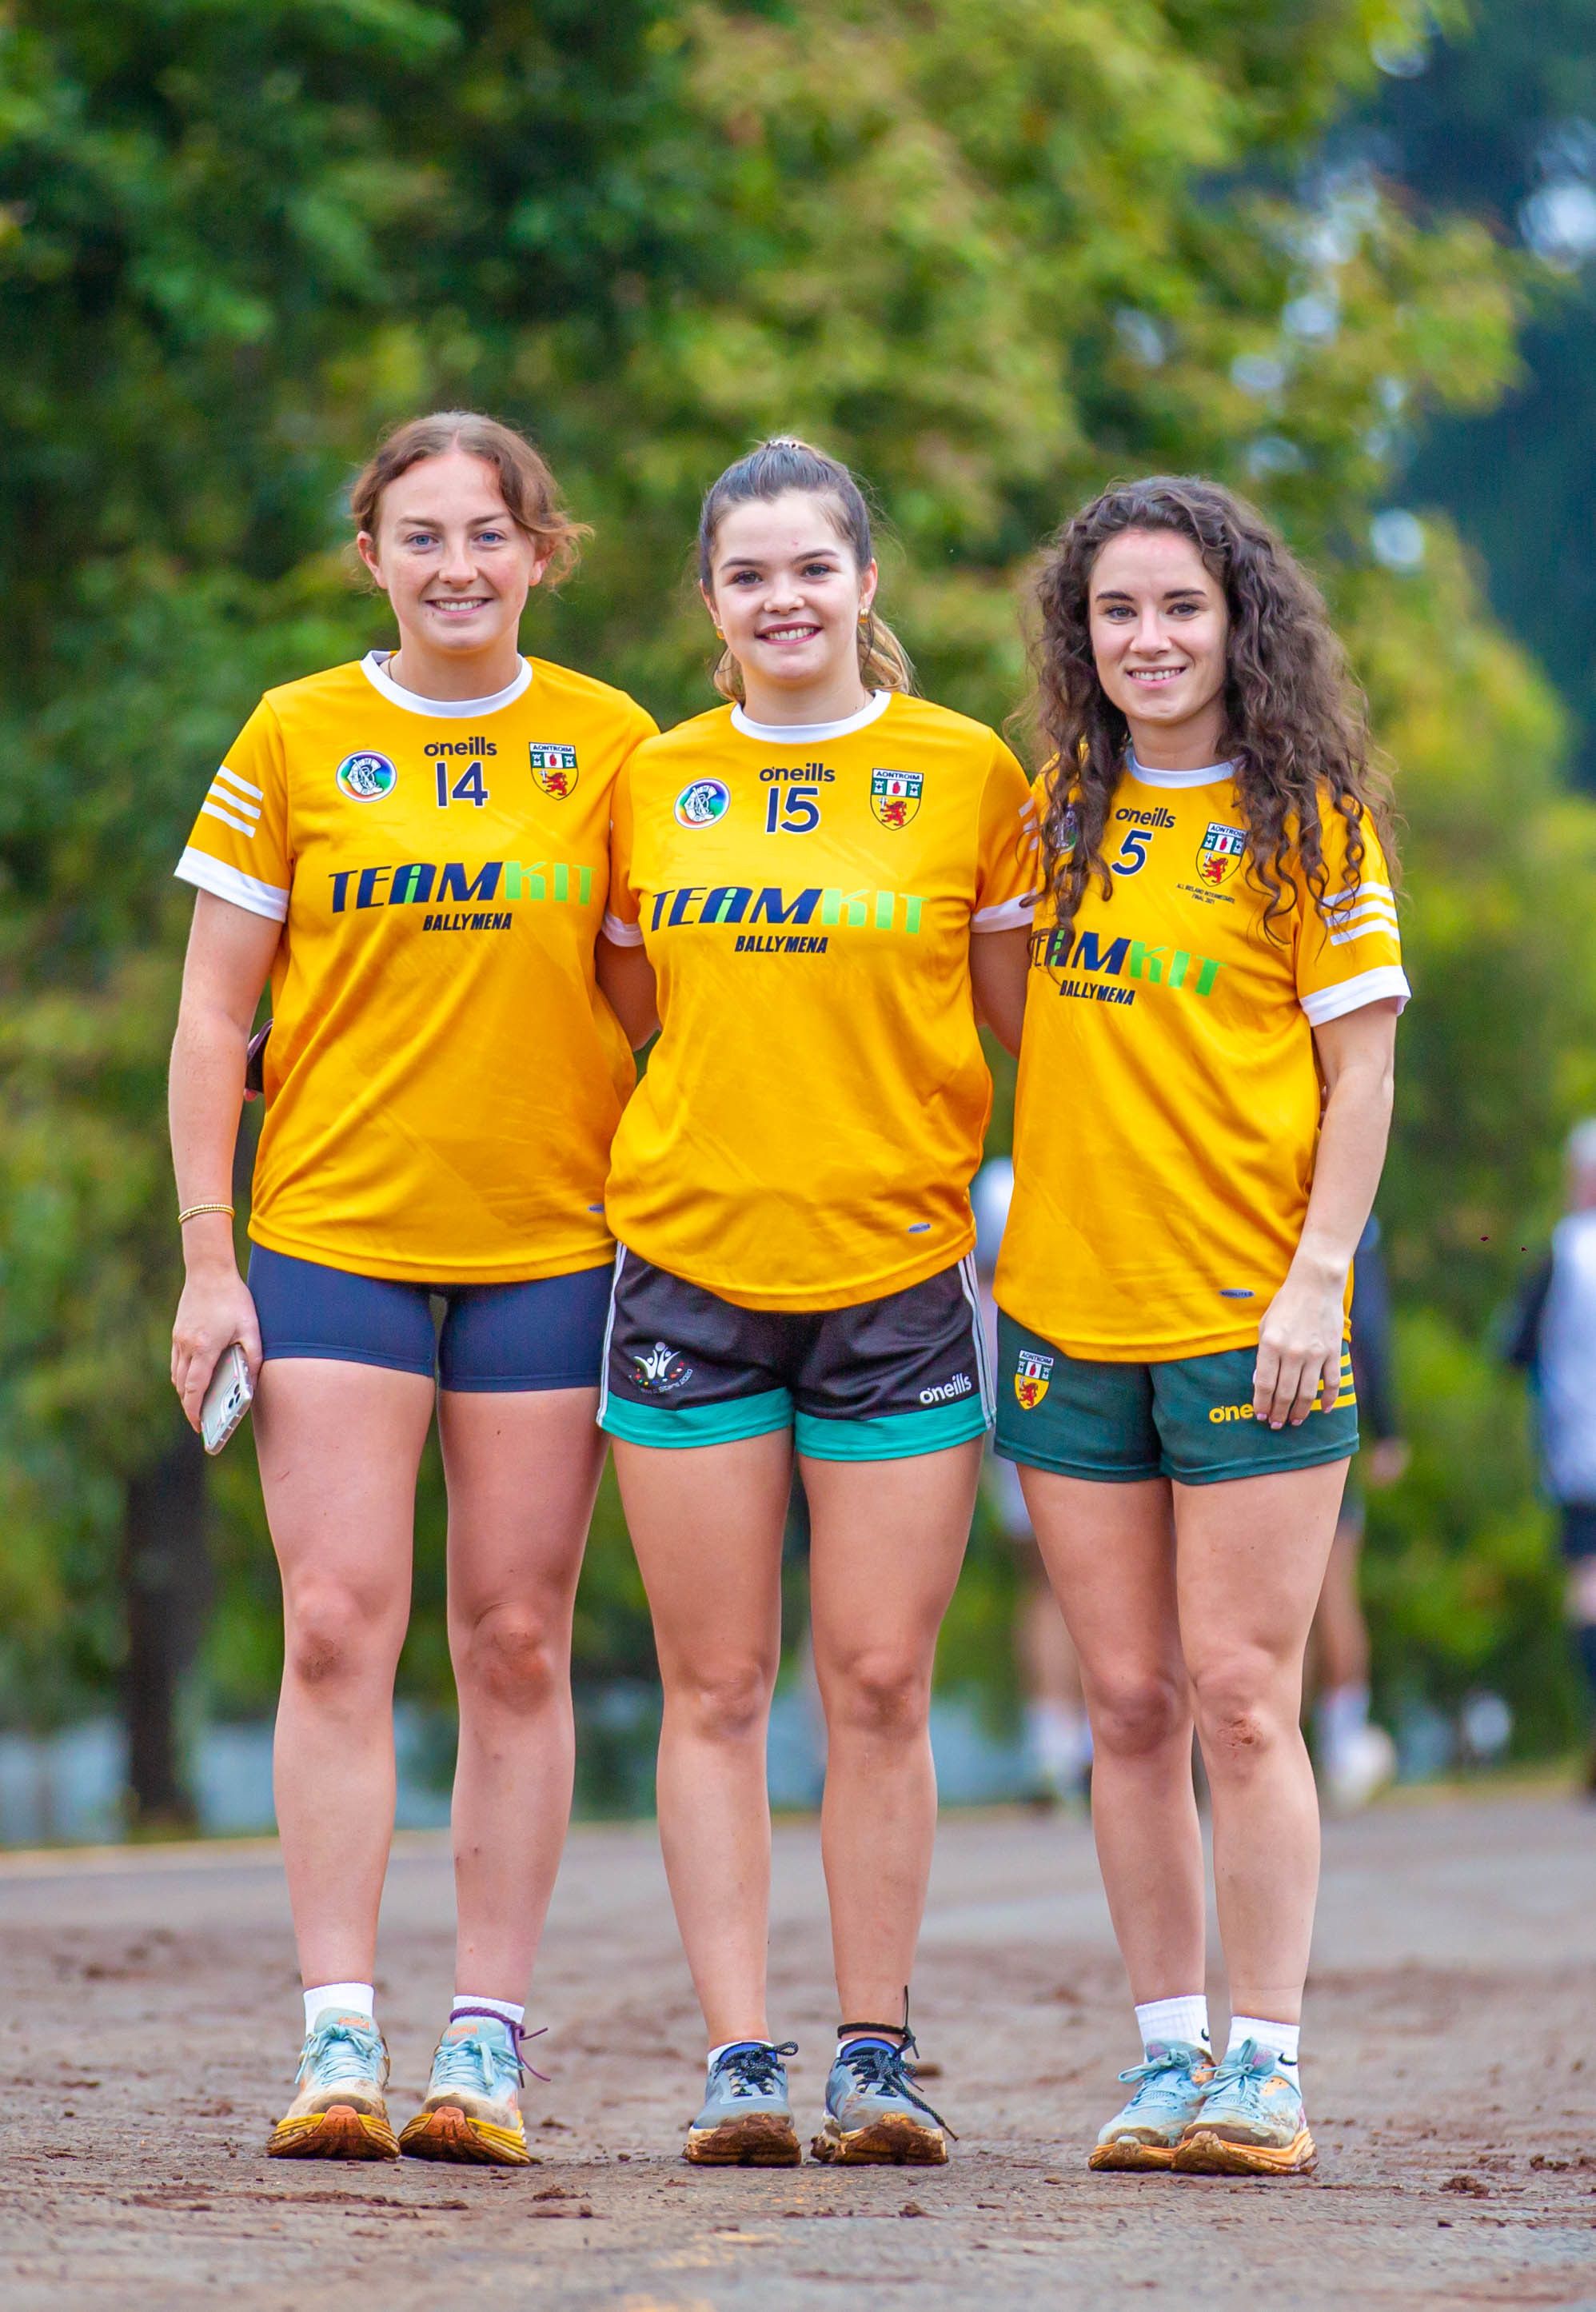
702, 803
366, 777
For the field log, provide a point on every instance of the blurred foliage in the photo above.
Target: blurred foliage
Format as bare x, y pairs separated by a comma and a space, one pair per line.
1503, 126
991, 255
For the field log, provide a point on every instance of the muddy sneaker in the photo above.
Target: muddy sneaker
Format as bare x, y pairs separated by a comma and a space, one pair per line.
747, 2120
473, 2109
873, 2116
1252, 2122
1168, 2090
339, 2112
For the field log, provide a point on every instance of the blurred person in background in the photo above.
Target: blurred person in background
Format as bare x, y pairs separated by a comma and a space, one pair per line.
442, 1082
1555, 1342
1058, 1730
1355, 1757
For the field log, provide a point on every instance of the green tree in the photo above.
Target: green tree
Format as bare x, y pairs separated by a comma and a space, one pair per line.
993, 255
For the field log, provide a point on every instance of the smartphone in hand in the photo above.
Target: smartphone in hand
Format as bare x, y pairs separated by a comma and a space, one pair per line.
227, 1399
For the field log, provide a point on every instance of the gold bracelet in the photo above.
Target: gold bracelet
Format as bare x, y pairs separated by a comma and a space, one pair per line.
191, 1210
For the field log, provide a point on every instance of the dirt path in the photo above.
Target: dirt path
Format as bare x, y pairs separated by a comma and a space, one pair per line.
150, 2011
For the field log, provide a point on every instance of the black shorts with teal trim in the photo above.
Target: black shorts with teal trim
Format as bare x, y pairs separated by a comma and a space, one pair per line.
491, 1339
1189, 1418
877, 1381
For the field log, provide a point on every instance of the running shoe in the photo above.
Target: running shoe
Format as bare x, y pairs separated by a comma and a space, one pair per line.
472, 2114
339, 2112
1252, 2122
747, 2120
1167, 2093
873, 2116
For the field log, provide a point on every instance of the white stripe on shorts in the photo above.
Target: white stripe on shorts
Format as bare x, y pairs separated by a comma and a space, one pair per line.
609, 1326
983, 1371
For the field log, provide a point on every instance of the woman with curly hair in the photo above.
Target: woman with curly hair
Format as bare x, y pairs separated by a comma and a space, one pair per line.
1204, 1098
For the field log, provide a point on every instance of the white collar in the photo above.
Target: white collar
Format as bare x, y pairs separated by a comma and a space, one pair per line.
1209, 775
810, 735
374, 667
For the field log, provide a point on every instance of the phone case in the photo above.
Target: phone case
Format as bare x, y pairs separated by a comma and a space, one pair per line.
227, 1399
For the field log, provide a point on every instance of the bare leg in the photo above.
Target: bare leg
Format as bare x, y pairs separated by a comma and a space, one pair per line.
523, 1469
1341, 1635
1251, 1560
1110, 1552
338, 1446
888, 1541
706, 1524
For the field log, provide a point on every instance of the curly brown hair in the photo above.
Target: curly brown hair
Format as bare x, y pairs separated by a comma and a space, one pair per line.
1295, 723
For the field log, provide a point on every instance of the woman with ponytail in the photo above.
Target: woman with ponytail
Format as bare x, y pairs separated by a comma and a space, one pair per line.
1204, 1096
828, 881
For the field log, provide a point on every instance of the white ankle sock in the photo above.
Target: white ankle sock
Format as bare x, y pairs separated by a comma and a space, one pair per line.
348, 1998
1162, 2021
507, 2008
1279, 2038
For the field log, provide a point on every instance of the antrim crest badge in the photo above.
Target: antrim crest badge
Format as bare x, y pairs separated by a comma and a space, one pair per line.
1220, 853
895, 795
554, 768
1031, 1379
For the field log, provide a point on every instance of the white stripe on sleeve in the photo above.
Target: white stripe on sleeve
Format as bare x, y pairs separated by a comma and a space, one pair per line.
209, 810
1376, 986
230, 801
623, 934
225, 882
242, 785
1009, 916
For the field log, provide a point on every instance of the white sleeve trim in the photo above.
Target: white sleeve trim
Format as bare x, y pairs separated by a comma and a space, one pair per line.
225, 882
1008, 916
1376, 986
622, 934
242, 785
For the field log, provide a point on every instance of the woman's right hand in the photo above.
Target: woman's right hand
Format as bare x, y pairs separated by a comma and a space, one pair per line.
216, 1310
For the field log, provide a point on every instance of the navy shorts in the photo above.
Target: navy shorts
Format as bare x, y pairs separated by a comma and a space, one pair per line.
545, 1333
877, 1381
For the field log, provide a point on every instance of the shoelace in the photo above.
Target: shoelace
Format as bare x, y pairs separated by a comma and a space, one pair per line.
1242, 2076
1140, 2075
338, 2053
875, 2065
478, 2055
756, 2070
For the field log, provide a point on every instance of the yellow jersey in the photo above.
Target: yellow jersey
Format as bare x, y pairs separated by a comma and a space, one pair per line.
443, 1078
806, 1132
1167, 1111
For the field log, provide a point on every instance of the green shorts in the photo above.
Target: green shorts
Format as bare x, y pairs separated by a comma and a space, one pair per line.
1189, 1418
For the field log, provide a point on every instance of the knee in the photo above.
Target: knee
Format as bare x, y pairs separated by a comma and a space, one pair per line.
880, 1693
334, 1635
1241, 1711
510, 1657
727, 1703
1135, 1715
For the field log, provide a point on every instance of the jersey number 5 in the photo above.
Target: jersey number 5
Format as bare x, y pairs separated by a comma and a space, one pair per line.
793, 810
467, 788
1133, 852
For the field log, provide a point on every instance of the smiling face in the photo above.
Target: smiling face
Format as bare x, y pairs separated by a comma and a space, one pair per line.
787, 595
1160, 631
453, 562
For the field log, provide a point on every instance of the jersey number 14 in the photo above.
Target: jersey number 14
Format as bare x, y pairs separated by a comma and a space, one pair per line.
467, 788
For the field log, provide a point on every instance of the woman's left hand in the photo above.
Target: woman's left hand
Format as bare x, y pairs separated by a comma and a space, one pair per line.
1299, 1349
